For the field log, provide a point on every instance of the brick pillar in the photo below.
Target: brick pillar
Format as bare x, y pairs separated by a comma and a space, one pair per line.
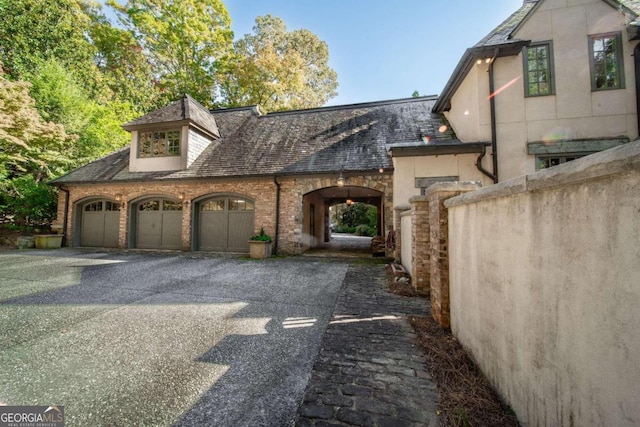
439, 245
420, 270
186, 225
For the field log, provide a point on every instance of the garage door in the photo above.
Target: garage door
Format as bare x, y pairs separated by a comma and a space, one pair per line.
100, 223
159, 225
225, 224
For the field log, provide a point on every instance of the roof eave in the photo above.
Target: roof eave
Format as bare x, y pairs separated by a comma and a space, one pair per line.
465, 64
439, 149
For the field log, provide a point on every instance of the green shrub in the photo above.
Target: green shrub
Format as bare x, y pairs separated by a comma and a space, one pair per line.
365, 230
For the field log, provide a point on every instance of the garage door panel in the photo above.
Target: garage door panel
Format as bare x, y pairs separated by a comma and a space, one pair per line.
92, 233
240, 230
149, 230
213, 231
171, 230
111, 229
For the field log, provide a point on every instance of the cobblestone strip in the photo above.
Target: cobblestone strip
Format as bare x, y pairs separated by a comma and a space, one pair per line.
369, 371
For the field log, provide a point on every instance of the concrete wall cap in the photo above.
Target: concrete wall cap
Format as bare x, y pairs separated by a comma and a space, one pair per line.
406, 213
402, 208
615, 161
454, 186
418, 199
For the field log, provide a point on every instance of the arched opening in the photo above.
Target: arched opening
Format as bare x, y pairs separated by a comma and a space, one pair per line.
320, 225
156, 223
223, 223
97, 223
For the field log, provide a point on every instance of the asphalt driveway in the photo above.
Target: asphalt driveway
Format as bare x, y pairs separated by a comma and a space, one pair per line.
161, 339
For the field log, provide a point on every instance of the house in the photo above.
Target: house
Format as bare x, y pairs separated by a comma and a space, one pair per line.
194, 179
555, 81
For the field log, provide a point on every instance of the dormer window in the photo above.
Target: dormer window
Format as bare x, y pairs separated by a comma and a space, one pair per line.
159, 143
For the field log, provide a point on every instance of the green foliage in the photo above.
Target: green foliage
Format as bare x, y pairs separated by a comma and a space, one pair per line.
34, 31
261, 236
415, 94
365, 230
27, 144
358, 218
31, 203
184, 41
277, 69
61, 99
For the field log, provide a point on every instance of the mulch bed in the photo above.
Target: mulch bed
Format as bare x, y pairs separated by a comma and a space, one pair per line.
466, 397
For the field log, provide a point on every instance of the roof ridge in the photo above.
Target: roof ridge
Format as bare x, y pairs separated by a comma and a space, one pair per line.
356, 105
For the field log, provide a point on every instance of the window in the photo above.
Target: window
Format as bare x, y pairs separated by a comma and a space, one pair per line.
159, 144
545, 162
538, 69
605, 54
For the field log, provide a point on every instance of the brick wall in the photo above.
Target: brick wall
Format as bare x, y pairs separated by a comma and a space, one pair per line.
439, 245
261, 190
420, 254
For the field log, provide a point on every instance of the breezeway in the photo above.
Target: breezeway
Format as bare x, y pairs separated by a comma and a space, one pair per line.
158, 339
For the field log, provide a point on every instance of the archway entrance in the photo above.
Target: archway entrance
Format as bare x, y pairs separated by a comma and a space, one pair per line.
319, 232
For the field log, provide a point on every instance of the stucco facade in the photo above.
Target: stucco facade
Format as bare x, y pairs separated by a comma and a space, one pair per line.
573, 111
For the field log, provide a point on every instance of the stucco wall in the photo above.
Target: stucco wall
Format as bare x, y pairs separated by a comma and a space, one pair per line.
407, 169
406, 241
545, 289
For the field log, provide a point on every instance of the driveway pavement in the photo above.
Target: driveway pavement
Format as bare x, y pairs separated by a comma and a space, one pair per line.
158, 339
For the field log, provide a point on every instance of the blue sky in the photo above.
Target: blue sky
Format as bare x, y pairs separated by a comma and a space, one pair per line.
384, 49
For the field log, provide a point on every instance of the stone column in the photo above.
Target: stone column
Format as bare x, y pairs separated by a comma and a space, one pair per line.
439, 245
420, 270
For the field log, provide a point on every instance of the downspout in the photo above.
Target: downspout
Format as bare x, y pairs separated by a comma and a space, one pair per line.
277, 233
481, 168
492, 102
66, 215
636, 60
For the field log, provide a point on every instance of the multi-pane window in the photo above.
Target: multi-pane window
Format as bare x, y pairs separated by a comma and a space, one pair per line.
545, 162
102, 206
159, 143
607, 68
538, 69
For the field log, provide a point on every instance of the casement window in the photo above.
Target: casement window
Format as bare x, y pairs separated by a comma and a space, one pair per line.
606, 61
159, 143
538, 69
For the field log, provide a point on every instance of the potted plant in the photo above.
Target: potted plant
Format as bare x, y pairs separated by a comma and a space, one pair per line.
260, 245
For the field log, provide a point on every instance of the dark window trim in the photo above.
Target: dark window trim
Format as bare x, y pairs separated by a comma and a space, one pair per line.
166, 147
619, 59
562, 159
525, 69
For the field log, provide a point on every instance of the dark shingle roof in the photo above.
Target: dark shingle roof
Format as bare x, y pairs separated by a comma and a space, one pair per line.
185, 109
500, 42
322, 140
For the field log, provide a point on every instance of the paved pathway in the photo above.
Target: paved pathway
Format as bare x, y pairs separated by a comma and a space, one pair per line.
369, 371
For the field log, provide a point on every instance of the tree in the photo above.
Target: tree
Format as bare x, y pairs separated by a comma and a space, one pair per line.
278, 70
61, 99
126, 70
34, 31
415, 94
184, 40
27, 144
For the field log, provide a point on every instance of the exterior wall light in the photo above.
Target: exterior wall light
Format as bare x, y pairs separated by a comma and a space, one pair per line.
341, 180
180, 196
118, 197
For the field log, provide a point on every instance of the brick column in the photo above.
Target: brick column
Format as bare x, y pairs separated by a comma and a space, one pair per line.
420, 270
439, 245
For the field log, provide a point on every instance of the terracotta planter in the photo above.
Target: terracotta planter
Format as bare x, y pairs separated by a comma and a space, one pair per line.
48, 241
259, 249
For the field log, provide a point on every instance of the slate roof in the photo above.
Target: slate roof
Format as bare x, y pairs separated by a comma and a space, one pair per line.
184, 109
349, 138
502, 39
